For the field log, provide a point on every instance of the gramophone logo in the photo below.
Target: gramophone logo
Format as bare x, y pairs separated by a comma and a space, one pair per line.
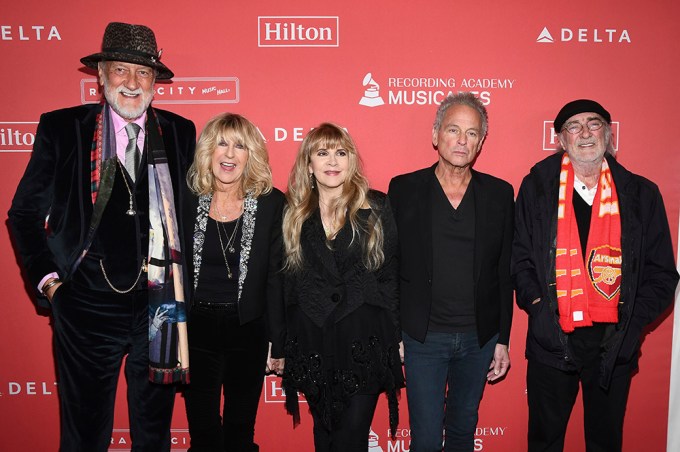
372, 96
373, 438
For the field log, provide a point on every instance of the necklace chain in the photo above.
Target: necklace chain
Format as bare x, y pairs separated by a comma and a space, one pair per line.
143, 268
230, 239
131, 210
223, 248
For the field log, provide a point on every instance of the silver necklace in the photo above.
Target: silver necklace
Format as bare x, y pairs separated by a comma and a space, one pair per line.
222, 248
218, 212
131, 211
230, 240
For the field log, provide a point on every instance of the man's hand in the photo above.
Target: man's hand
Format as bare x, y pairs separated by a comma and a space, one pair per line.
49, 293
401, 351
499, 364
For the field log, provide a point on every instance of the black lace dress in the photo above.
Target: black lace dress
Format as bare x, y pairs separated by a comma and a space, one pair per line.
342, 320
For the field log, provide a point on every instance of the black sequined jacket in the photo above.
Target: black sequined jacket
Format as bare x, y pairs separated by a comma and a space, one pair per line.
342, 319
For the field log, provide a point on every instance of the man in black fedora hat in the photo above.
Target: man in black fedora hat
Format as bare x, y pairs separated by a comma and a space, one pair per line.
95, 225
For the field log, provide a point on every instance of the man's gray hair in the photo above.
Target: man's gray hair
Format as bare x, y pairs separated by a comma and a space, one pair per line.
462, 98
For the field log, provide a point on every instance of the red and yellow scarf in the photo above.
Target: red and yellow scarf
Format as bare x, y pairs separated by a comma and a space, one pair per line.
588, 292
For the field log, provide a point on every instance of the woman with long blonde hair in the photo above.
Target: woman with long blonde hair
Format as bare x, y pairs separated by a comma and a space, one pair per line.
340, 292
237, 305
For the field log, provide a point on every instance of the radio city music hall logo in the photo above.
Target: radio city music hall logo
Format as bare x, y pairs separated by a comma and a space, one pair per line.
182, 90
121, 440
596, 35
298, 31
550, 136
17, 136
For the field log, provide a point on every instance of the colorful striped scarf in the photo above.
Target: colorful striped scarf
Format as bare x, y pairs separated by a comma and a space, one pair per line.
168, 343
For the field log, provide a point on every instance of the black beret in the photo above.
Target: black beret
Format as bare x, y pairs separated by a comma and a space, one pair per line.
580, 106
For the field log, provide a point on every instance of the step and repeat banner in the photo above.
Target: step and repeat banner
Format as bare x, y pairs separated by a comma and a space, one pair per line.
378, 68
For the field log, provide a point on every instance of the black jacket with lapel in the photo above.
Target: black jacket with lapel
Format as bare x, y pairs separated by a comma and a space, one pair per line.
410, 196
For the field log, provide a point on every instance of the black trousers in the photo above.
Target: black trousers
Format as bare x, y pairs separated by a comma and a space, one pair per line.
551, 396
225, 358
93, 332
352, 433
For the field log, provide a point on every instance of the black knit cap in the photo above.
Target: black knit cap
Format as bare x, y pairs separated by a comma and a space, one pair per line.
131, 44
579, 106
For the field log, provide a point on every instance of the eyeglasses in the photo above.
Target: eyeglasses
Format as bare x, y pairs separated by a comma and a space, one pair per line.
576, 127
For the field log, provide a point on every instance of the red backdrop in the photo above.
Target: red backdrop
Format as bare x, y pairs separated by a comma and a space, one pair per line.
288, 66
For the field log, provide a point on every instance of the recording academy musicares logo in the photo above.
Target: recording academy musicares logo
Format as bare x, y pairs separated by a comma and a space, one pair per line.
427, 90
298, 31
182, 90
594, 35
17, 136
550, 136
490, 436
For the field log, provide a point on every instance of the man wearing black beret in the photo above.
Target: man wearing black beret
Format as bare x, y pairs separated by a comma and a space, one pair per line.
95, 222
592, 264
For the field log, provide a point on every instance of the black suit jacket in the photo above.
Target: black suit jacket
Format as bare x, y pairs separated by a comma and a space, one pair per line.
410, 196
57, 182
262, 291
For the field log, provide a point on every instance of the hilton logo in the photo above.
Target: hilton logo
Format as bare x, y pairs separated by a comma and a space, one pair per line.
274, 393
298, 31
17, 136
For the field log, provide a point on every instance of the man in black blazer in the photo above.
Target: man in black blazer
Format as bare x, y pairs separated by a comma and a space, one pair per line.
455, 234
95, 227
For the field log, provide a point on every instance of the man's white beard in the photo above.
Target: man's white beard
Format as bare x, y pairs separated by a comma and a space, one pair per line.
111, 95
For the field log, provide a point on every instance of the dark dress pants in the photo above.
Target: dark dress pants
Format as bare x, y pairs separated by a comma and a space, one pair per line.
225, 358
551, 395
93, 332
351, 435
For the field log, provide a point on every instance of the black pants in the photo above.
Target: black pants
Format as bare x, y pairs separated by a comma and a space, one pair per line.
93, 331
551, 396
230, 358
352, 433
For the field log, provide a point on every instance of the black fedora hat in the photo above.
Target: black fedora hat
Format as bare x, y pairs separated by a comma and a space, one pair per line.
131, 44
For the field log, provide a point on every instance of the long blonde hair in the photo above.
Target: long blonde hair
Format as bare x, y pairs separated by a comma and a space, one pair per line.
303, 198
257, 175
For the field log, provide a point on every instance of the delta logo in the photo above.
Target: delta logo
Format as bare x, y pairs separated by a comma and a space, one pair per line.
550, 136
594, 35
182, 90
17, 136
29, 33
298, 31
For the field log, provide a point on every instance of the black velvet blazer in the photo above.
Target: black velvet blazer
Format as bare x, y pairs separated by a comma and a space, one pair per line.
494, 223
57, 182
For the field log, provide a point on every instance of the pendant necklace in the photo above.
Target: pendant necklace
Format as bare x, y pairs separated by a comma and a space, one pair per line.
230, 239
131, 211
222, 248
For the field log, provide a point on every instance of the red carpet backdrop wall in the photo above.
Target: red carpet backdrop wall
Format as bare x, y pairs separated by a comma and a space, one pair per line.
378, 68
